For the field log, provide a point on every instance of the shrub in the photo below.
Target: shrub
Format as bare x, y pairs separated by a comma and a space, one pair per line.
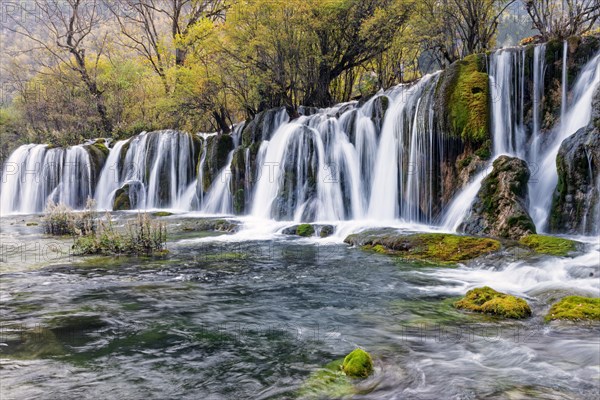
60, 219
142, 236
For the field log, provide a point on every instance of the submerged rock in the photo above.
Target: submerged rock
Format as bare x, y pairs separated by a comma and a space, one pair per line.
431, 247
358, 364
500, 208
575, 308
488, 301
327, 383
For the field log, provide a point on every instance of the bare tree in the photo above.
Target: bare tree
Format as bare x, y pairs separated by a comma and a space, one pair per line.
559, 19
64, 30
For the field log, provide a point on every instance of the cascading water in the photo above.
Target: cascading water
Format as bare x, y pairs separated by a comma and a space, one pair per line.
35, 174
377, 161
109, 178
577, 116
157, 168
511, 135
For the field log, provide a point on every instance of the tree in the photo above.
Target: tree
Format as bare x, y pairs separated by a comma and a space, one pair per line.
67, 32
559, 19
153, 27
350, 33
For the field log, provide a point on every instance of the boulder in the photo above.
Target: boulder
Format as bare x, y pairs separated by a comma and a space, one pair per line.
358, 364
500, 208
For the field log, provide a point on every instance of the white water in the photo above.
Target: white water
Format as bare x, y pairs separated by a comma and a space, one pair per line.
35, 174
337, 164
109, 178
577, 116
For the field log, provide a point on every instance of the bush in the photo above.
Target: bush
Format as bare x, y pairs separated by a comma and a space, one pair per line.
60, 219
142, 236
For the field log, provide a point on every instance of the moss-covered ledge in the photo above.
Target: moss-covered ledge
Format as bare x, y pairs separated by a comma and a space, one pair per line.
439, 248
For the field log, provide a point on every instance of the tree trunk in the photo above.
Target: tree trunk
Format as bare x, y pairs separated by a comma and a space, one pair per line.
319, 95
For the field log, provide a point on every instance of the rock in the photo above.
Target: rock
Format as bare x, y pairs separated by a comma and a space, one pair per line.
122, 201
500, 208
326, 230
358, 364
488, 301
549, 244
305, 230
438, 248
218, 148
576, 199
575, 308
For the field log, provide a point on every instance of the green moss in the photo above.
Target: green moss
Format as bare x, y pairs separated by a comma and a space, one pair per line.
485, 151
327, 383
122, 201
102, 147
549, 244
438, 248
32, 224
305, 230
162, 214
575, 308
358, 364
468, 102
521, 221
487, 300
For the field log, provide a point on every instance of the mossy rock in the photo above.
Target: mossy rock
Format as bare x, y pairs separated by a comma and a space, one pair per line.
467, 101
575, 308
358, 364
440, 248
122, 201
488, 301
162, 214
549, 244
305, 230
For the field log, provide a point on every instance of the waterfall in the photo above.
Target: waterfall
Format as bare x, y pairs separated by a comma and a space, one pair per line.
158, 168
219, 199
35, 174
109, 178
577, 116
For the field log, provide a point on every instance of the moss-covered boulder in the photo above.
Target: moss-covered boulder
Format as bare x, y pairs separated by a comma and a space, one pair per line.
122, 201
488, 301
98, 153
439, 248
358, 364
575, 308
549, 244
500, 208
305, 230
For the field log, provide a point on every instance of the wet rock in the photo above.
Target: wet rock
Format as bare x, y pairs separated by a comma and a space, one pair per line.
500, 208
